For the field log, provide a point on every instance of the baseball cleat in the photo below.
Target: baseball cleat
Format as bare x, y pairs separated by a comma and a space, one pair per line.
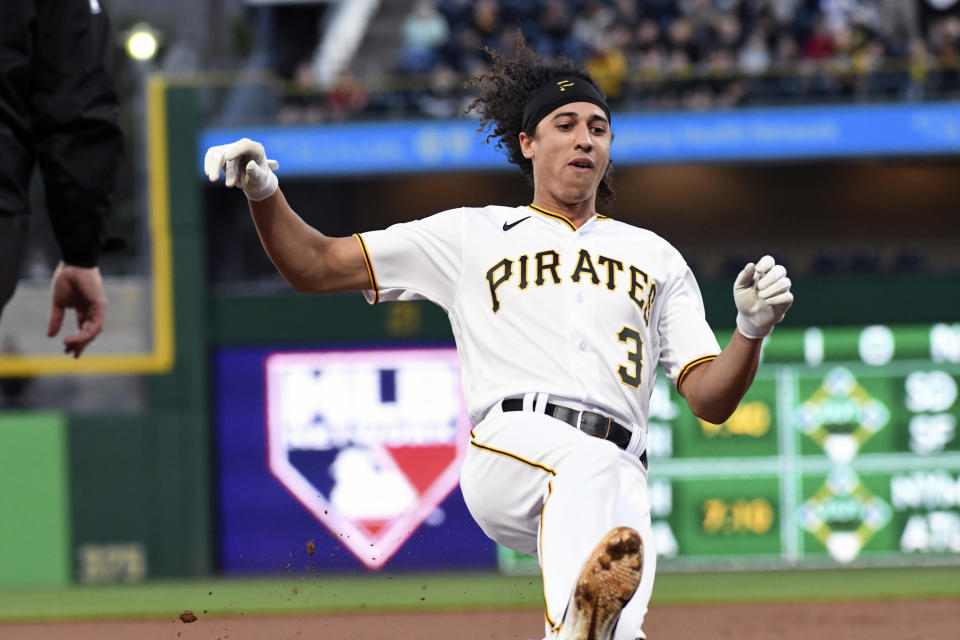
608, 580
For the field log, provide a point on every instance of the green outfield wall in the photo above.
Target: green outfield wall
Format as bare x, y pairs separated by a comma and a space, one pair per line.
34, 500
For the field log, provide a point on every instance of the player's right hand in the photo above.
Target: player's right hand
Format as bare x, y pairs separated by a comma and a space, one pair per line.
78, 288
245, 165
762, 295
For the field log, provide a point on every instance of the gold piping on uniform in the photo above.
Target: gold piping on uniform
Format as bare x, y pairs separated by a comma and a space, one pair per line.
369, 263
514, 456
546, 605
690, 365
557, 216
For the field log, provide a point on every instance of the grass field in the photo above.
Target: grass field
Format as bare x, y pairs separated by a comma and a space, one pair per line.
423, 592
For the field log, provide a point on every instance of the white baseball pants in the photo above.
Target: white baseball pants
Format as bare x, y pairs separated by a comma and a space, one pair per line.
539, 486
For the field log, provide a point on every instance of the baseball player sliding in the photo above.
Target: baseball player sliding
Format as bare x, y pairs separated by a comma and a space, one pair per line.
561, 316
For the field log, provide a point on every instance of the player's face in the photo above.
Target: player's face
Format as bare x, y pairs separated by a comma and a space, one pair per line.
570, 152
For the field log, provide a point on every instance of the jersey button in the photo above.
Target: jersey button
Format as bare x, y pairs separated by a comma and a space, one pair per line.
580, 297
583, 346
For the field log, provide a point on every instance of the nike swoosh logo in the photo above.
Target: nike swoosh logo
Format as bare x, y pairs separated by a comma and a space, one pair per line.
510, 225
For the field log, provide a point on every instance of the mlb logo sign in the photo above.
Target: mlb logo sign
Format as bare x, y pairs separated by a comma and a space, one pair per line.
369, 442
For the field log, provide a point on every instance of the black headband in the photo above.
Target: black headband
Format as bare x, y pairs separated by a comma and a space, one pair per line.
556, 93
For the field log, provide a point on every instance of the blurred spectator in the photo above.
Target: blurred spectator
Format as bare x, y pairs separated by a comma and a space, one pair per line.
593, 24
819, 45
425, 32
843, 15
440, 100
680, 39
945, 40
700, 13
898, 21
647, 34
678, 64
867, 57
754, 58
485, 19
347, 96
608, 64
626, 13
556, 24
786, 52
784, 12
920, 64
729, 33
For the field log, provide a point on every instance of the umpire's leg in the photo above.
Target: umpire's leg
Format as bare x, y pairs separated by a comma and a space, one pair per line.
13, 238
16, 160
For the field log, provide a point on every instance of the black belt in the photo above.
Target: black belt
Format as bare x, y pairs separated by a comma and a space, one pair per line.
591, 423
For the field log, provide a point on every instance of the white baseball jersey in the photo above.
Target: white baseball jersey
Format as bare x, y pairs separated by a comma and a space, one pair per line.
537, 305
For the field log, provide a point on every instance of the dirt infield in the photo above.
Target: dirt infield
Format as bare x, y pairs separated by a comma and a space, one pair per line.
917, 620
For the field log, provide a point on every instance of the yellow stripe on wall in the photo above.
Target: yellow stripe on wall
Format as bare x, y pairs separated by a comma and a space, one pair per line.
159, 188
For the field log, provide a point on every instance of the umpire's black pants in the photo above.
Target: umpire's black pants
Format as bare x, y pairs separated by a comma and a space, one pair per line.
13, 239
58, 111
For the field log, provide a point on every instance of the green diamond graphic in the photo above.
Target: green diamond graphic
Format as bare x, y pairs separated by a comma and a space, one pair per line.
843, 514
840, 416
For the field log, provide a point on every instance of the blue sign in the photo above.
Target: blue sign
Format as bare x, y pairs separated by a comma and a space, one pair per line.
332, 461
805, 132
359, 148
740, 135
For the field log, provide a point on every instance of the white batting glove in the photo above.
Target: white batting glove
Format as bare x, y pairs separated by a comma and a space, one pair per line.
762, 295
245, 165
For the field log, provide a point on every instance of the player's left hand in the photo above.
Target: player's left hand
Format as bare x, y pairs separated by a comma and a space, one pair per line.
762, 295
77, 288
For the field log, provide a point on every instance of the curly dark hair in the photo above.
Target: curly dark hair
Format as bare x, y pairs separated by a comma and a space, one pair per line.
504, 90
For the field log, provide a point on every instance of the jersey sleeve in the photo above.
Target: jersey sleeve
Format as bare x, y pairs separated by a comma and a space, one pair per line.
418, 260
686, 339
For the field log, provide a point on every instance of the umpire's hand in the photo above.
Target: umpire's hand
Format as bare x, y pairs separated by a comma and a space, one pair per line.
762, 295
77, 288
245, 165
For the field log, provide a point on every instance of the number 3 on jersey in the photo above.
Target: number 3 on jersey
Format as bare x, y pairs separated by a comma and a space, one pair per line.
635, 356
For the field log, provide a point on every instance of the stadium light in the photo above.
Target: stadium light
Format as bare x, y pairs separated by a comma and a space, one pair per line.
142, 43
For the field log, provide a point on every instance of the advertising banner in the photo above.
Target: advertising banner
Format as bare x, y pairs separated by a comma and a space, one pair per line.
343, 460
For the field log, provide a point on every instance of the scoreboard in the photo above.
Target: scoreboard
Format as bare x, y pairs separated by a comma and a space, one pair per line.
844, 450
